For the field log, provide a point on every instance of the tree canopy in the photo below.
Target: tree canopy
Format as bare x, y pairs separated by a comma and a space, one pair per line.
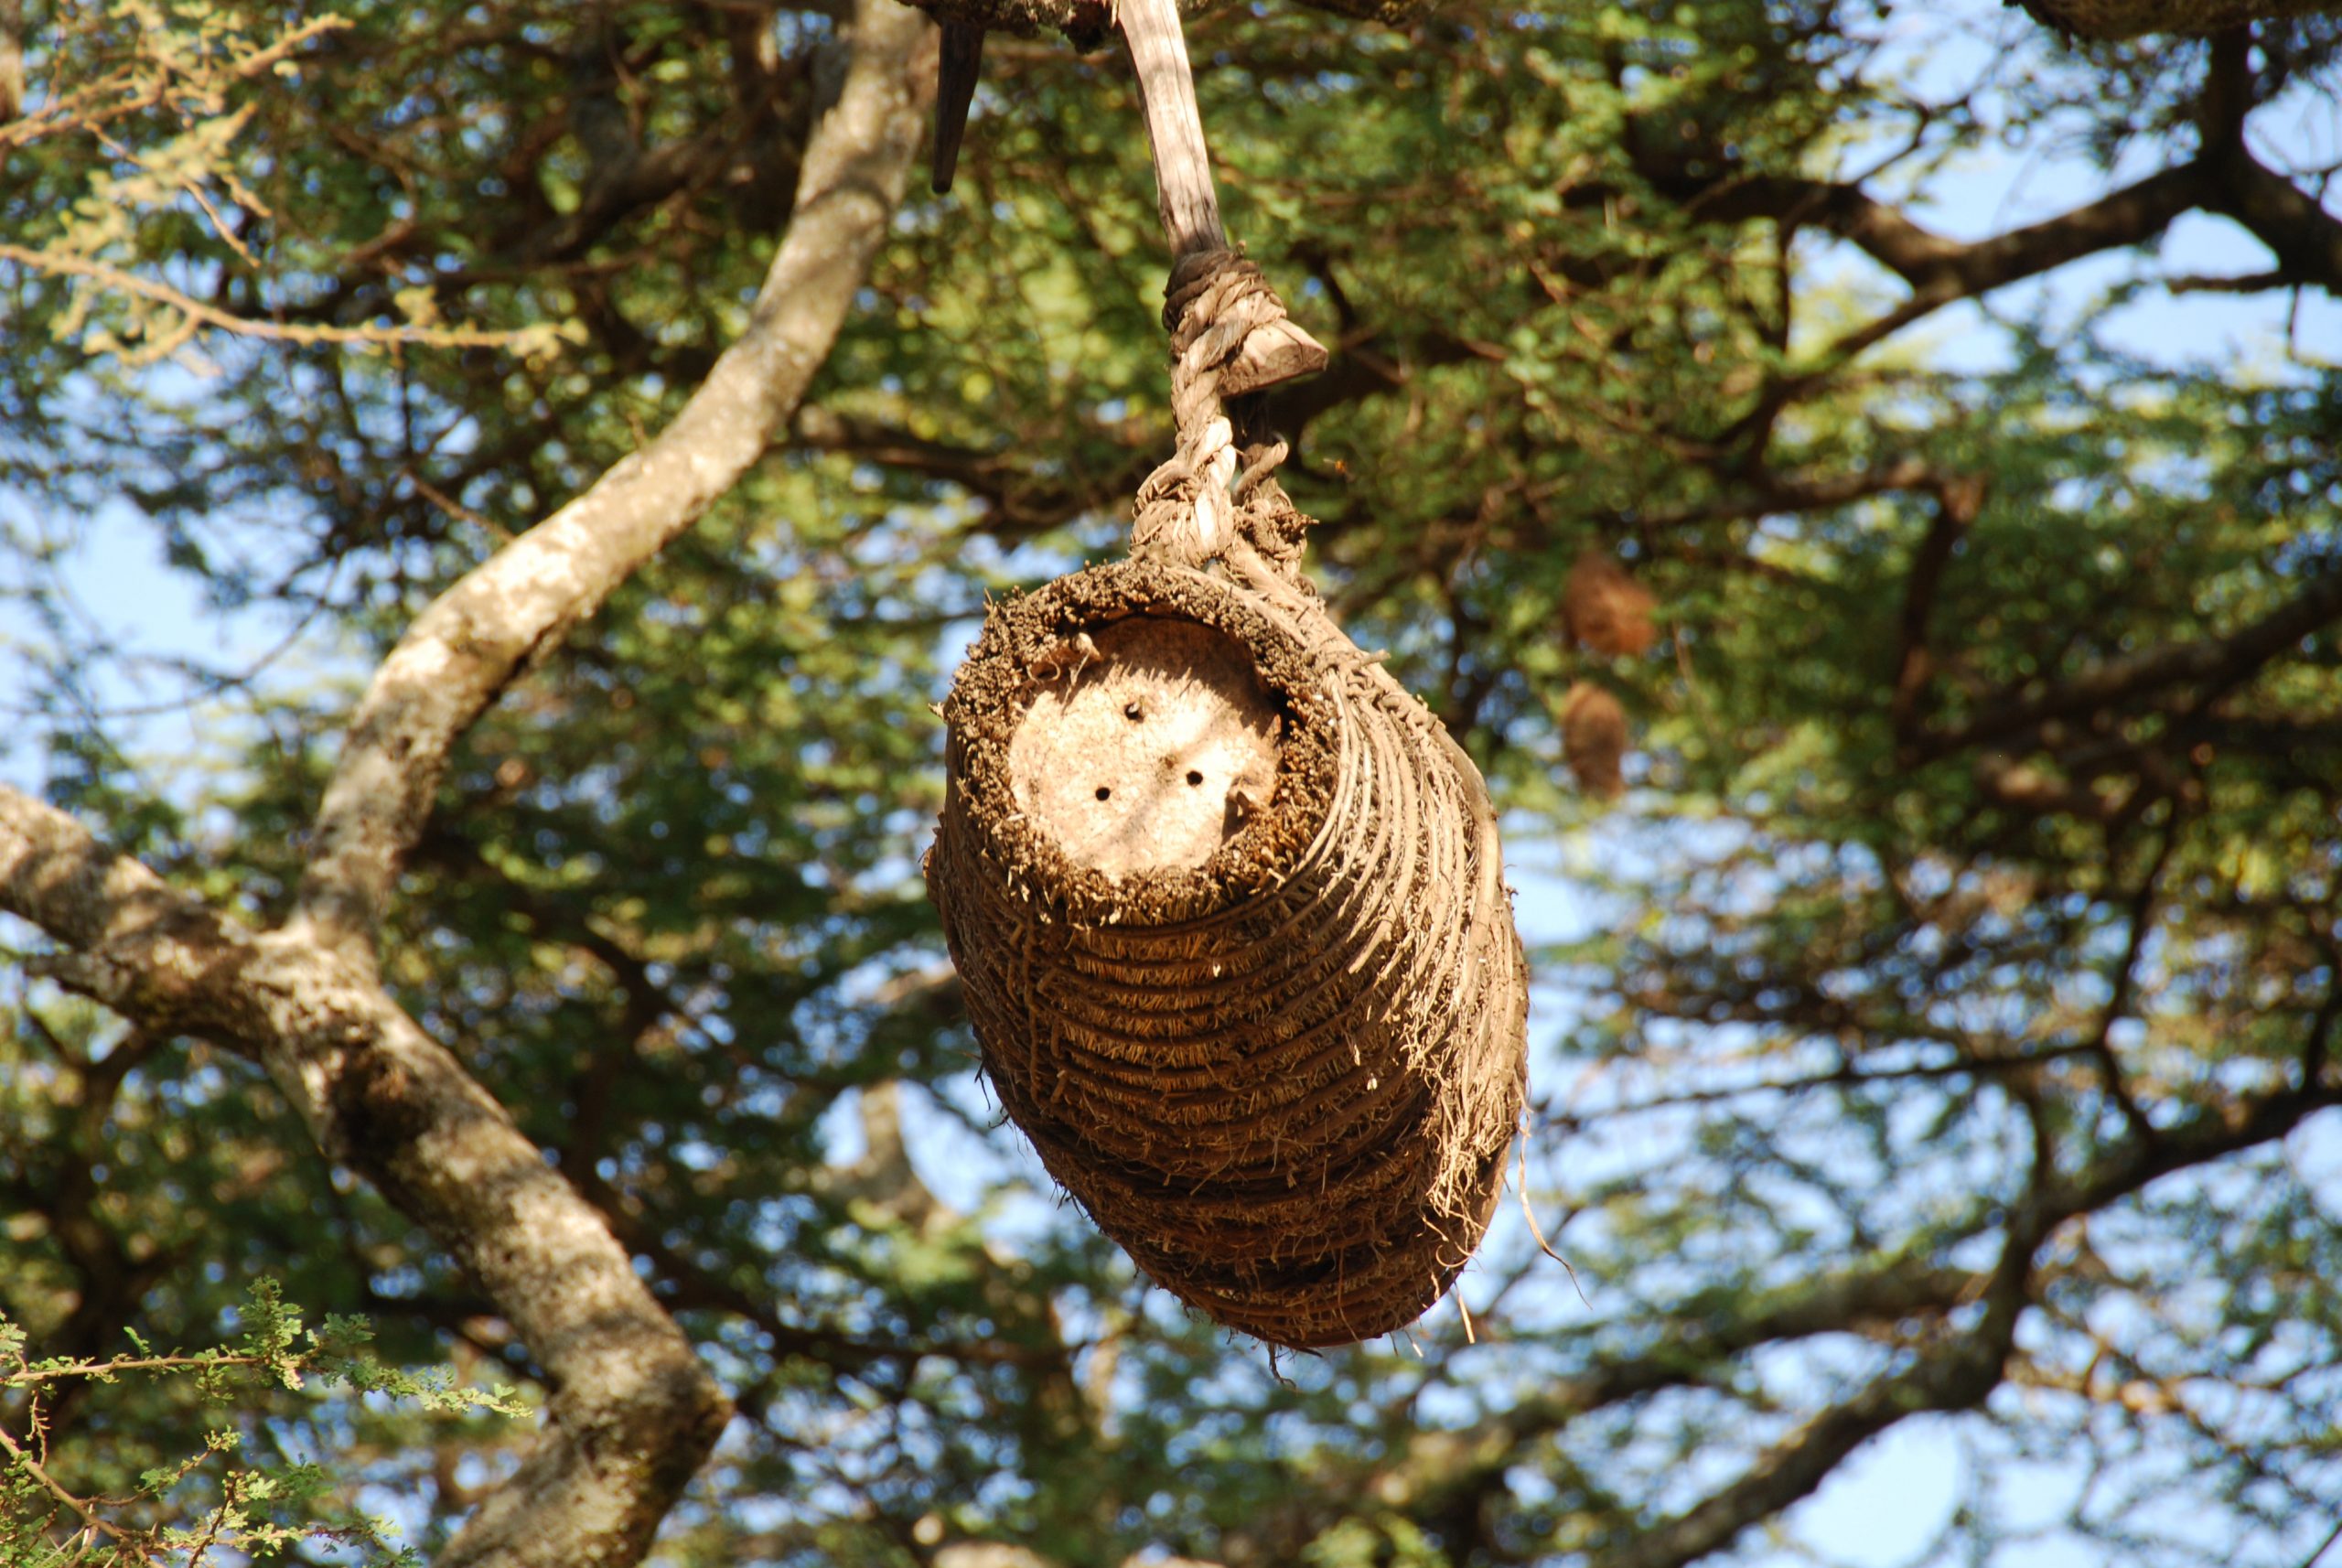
1896, 619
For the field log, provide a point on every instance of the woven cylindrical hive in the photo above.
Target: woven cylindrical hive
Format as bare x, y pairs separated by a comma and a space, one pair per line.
1229, 911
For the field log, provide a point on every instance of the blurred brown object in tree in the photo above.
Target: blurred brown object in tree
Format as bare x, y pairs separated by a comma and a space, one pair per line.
1593, 738
1605, 609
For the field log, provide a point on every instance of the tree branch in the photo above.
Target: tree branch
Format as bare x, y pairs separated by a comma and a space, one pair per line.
197, 316
2306, 239
1957, 504
1940, 272
477, 636
1960, 1372
1184, 197
1768, 494
631, 1413
1020, 500
55, 875
2210, 661
2115, 19
1945, 270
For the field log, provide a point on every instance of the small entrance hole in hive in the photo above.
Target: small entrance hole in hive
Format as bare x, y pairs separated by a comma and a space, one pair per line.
1152, 753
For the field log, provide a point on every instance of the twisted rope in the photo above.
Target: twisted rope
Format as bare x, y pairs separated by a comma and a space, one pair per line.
1229, 338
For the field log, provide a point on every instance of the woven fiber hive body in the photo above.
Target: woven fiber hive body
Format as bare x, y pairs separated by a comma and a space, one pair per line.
1229, 911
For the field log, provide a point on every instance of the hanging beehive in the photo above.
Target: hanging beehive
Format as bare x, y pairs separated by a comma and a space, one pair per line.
1227, 903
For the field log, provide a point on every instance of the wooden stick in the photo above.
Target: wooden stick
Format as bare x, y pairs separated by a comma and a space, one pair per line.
1174, 129
958, 61
1276, 349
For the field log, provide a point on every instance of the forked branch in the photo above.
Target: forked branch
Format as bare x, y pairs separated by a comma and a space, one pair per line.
631, 1412
463, 651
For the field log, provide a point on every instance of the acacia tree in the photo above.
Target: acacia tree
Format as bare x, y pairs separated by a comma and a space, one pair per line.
1945, 1028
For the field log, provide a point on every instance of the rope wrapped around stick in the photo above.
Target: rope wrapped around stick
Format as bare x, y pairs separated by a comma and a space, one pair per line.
1229, 336
1228, 904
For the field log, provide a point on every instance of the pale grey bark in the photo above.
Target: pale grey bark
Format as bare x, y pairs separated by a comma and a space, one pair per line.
631, 1413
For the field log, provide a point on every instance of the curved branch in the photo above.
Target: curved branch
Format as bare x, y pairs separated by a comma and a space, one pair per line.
632, 1412
1945, 270
55, 875
1954, 1377
2304, 237
484, 631
1957, 1373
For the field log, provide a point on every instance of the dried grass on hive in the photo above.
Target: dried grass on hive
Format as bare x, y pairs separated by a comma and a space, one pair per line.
1280, 1062
1605, 609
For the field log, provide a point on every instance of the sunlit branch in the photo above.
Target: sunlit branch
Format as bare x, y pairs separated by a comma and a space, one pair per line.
461, 652
196, 314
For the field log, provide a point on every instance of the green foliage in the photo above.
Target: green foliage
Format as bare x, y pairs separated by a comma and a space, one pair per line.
239, 1491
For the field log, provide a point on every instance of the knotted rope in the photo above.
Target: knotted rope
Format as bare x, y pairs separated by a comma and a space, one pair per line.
1229, 338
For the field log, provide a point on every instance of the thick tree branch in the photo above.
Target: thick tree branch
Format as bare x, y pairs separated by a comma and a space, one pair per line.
1831, 1304
477, 636
631, 1413
1939, 272
2306, 239
1945, 270
2113, 19
1443, 1474
1958, 1372
1953, 1377
55, 875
